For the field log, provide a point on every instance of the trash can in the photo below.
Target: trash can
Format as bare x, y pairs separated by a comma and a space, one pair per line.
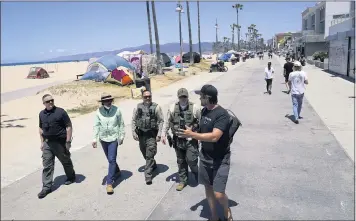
243, 59
146, 82
238, 59
233, 61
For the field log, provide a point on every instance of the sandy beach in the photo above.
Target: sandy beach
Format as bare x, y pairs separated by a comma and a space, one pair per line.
14, 77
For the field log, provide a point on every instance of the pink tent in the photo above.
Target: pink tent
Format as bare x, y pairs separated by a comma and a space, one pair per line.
177, 60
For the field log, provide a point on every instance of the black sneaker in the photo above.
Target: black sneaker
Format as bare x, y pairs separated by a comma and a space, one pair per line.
300, 117
148, 182
296, 121
69, 181
44, 193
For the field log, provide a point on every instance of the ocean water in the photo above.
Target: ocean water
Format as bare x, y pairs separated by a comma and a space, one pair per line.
40, 62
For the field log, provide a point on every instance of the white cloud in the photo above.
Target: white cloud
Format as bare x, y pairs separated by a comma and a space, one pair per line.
50, 51
61, 50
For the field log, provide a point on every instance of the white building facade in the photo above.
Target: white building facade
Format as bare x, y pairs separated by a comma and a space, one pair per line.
315, 25
342, 44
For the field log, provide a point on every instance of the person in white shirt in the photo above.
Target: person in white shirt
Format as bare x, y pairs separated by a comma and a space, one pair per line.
297, 81
269, 71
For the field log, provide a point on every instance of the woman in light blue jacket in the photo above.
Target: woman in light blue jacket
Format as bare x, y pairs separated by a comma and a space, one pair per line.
109, 129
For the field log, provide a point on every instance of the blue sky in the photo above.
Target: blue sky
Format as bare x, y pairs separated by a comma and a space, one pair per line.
41, 30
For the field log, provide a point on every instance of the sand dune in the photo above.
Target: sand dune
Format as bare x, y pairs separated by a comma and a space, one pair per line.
14, 77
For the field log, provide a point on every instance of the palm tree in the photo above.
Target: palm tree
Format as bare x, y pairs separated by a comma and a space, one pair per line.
190, 35
238, 7
149, 25
158, 50
233, 35
199, 27
226, 43
251, 30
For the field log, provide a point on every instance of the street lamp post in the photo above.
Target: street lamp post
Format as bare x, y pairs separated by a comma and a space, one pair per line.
216, 31
179, 9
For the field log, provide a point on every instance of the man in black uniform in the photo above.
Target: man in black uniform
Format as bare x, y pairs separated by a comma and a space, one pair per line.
215, 152
55, 130
288, 68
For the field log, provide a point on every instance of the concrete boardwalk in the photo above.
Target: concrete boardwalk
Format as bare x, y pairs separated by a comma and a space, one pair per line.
279, 170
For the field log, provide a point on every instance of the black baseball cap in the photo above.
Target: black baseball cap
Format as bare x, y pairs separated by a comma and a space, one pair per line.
208, 90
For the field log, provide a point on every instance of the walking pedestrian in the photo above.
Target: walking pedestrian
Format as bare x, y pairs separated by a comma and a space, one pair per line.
180, 114
55, 128
109, 129
147, 123
269, 71
288, 68
215, 153
297, 81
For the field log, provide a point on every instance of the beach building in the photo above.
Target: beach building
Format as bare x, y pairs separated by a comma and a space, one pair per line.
316, 21
342, 44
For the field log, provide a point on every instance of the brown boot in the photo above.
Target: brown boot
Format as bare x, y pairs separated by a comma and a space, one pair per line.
181, 186
109, 189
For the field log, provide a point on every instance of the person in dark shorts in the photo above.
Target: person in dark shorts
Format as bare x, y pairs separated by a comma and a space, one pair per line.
288, 68
215, 153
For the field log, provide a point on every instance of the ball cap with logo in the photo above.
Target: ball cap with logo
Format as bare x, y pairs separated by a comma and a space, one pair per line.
208, 90
182, 92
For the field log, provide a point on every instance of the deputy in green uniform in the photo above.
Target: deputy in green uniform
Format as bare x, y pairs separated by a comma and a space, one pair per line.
147, 123
180, 114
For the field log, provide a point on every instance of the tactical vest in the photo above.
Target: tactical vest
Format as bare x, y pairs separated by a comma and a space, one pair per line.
187, 117
146, 118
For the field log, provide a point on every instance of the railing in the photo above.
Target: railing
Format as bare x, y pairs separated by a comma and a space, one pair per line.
308, 32
342, 19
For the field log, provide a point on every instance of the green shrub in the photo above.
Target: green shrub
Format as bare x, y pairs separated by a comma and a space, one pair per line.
320, 55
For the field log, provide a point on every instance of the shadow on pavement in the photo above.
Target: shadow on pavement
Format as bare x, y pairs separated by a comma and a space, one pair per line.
205, 211
286, 92
125, 174
8, 123
334, 75
290, 117
161, 168
191, 179
59, 180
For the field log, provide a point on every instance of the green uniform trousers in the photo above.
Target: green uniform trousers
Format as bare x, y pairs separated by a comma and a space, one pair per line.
187, 154
148, 147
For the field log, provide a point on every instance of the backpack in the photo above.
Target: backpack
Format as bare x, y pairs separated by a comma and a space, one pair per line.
234, 124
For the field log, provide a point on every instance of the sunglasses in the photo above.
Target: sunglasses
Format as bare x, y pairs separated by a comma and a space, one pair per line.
147, 97
49, 101
183, 97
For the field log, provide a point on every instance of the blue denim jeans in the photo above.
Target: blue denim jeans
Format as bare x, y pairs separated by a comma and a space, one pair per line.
110, 150
297, 100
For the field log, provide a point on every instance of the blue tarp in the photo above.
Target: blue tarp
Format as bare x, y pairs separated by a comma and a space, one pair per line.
111, 62
96, 76
225, 57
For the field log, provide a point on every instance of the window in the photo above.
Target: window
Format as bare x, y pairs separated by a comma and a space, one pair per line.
341, 16
322, 14
305, 24
322, 27
313, 22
